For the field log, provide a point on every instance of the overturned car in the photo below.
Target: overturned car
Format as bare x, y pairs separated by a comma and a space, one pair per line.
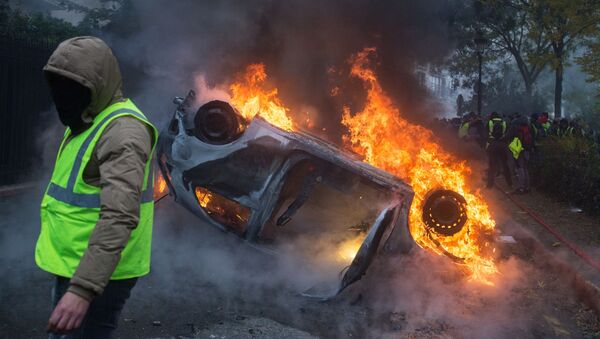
273, 187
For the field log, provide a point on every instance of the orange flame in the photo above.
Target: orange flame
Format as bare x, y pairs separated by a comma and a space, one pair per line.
251, 97
160, 185
348, 249
225, 211
390, 142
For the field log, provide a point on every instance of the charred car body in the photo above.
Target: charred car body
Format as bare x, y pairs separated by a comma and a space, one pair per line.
255, 180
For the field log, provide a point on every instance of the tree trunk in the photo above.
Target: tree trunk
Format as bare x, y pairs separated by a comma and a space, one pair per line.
479, 89
558, 72
529, 96
558, 90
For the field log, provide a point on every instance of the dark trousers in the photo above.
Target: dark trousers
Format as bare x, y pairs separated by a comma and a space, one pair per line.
497, 162
103, 315
522, 169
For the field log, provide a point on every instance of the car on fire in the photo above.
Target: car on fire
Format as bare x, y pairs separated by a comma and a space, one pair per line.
266, 185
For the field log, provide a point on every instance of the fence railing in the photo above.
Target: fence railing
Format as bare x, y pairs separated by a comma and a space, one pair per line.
23, 97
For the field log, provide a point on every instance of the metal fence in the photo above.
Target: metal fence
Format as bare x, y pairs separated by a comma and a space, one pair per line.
23, 97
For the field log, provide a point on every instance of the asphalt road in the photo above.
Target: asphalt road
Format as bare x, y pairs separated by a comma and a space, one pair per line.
204, 282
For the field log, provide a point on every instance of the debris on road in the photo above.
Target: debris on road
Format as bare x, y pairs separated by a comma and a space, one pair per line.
252, 328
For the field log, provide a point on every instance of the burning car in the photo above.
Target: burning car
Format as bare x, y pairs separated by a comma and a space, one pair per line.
269, 186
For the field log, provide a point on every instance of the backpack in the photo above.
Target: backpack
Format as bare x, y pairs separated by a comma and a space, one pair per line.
497, 129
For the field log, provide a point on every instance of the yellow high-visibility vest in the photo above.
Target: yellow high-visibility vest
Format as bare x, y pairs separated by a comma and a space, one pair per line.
515, 147
70, 208
493, 121
463, 130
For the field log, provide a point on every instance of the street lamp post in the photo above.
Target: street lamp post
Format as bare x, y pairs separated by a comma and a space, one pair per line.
480, 43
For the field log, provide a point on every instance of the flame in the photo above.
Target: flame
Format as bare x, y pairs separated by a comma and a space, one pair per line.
390, 142
225, 211
204, 196
251, 96
347, 249
160, 186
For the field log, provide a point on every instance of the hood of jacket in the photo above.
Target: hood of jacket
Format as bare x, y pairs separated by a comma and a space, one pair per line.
90, 62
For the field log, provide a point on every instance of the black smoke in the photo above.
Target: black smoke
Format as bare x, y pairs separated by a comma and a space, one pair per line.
305, 45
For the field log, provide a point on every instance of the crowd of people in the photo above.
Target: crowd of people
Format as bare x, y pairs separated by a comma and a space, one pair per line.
510, 141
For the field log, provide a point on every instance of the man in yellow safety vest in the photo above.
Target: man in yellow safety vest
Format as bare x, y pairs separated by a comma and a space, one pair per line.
520, 147
97, 212
496, 146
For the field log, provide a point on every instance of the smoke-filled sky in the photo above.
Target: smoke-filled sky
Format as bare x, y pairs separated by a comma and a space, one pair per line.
305, 45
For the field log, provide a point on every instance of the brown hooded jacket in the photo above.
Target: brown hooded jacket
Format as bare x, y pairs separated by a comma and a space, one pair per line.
117, 163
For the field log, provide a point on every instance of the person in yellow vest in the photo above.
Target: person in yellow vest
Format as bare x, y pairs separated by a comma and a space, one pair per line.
564, 129
463, 130
544, 122
97, 211
495, 147
520, 147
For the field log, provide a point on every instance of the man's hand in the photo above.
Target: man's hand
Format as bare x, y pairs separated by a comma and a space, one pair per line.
68, 314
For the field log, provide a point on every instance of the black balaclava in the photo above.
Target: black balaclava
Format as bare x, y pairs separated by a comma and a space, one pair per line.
71, 99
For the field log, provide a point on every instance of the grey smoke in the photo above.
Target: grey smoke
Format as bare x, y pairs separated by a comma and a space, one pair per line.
298, 41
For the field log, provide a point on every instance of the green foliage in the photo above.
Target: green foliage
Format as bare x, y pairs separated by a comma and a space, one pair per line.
590, 61
463, 64
590, 64
503, 92
114, 16
591, 119
534, 34
36, 27
569, 168
564, 23
510, 25
506, 24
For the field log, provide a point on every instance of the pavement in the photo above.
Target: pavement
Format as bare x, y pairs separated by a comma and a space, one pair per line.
206, 284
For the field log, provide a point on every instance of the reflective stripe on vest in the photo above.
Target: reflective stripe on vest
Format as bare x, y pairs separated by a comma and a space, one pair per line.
71, 208
492, 122
67, 195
